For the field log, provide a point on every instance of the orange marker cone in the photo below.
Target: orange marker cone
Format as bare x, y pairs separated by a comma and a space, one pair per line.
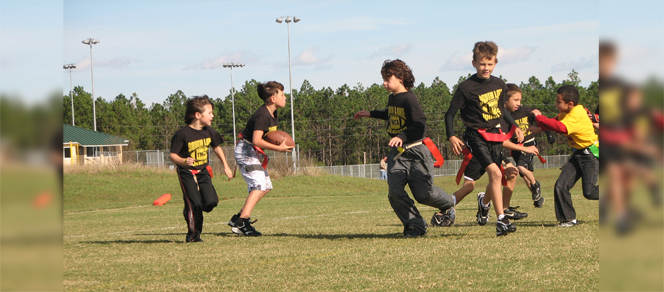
162, 200
42, 200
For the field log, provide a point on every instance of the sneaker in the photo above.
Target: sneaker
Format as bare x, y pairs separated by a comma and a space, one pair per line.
536, 190
197, 239
512, 213
482, 212
412, 232
568, 223
245, 228
504, 227
444, 219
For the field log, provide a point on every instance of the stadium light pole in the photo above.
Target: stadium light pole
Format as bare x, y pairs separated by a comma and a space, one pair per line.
91, 42
71, 90
231, 65
290, 78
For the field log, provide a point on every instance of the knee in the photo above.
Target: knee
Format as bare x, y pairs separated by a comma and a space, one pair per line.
209, 206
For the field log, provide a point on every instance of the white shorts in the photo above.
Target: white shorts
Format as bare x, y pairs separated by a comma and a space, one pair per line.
250, 166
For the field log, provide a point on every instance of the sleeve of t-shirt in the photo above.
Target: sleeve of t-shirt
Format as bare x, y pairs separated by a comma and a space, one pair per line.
262, 123
571, 120
417, 129
449, 121
216, 138
177, 142
551, 124
379, 114
458, 99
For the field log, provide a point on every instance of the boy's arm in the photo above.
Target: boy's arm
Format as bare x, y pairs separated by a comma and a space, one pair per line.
417, 129
220, 153
529, 149
379, 114
258, 141
175, 158
551, 124
456, 143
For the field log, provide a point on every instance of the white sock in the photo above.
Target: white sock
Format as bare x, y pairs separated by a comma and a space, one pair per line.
501, 216
485, 205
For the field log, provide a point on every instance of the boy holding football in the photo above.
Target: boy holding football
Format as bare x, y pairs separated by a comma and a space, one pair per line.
249, 153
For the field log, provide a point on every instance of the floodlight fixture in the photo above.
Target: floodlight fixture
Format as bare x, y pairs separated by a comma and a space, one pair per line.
71, 90
290, 78
280, 20
90, 42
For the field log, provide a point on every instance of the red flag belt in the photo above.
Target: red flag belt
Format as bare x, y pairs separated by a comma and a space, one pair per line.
467, 156
266, 159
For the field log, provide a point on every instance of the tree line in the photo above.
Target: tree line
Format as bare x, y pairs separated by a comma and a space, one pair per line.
324, 127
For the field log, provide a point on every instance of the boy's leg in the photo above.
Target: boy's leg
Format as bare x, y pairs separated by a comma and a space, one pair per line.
561, 192
209, 198
252, 200
467, 188
589, 165
193, 207
420, 181
493, 189
527, 175
401, 203
512, 173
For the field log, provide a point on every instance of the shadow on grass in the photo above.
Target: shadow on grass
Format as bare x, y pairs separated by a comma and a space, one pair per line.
324, 236
133, 241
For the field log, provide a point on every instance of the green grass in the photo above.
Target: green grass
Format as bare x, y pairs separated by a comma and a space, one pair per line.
328, 233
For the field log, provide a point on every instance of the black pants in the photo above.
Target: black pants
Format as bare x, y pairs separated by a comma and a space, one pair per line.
415, 169
197, 198
581, 165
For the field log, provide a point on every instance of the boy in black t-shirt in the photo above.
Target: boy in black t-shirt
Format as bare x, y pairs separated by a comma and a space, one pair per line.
409, 161
524, 161
249, 153
481, 99
189, 151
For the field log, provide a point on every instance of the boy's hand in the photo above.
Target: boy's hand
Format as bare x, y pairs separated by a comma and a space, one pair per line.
536, 112
534, 129
457, 145
519, 135
362, 114
394, 142
189, 161
283, 147
228, 171
532, 150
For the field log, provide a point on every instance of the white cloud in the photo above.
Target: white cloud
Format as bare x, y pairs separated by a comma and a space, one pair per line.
454, 63
308, 57
118, 62
351, 24
218, 62
577, 65
514, 54
393, 51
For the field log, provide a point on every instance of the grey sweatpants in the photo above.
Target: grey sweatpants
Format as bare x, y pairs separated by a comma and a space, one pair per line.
415, 168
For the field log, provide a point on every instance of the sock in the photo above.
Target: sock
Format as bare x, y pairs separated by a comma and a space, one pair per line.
500, 217
485, 205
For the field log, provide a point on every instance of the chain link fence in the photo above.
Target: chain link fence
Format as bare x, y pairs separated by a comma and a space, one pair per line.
160, 158
449, 168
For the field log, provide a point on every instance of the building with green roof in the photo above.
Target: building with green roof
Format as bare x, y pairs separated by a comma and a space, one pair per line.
81, 146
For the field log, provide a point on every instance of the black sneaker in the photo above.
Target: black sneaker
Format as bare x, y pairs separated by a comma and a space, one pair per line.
231, 223
512, 213
245, 228
412, 232
189, 239
504, 227
482, 213
568, 223
444, 219
536, 190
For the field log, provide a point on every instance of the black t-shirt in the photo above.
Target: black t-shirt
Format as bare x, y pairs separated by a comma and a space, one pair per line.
189, 142
405, 117
481, 101
523, 118
261, 120
613, 94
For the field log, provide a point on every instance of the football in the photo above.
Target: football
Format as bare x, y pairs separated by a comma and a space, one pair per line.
275, 137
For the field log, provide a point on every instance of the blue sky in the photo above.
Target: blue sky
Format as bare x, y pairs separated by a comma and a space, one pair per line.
156, 48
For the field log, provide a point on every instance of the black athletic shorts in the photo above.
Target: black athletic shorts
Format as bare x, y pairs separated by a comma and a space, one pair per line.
524, 159
484, 151
475, 171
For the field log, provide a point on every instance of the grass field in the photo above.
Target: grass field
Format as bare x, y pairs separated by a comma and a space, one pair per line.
327, 232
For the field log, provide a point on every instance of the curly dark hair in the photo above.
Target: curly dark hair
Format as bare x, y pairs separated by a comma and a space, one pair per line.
486, 49
400, 70
196, 105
